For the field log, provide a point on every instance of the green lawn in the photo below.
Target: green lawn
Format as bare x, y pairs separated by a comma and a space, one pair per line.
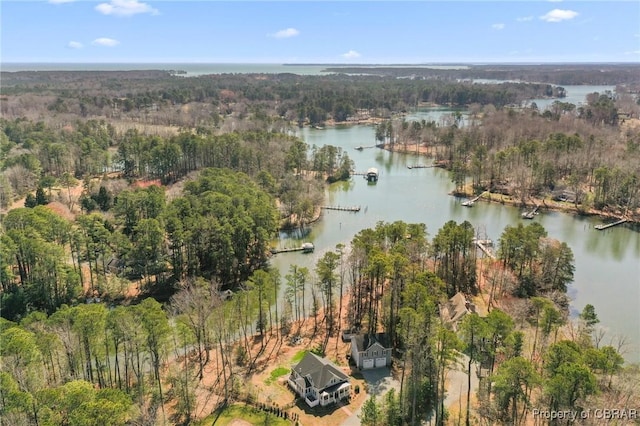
278, 372
298, 357
246, 413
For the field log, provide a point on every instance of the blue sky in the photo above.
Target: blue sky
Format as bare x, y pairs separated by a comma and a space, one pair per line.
378, 32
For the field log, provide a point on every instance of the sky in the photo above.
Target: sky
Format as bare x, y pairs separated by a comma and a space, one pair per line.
360, 32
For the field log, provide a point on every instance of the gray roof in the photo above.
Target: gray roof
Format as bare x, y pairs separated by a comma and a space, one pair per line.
365, 341
319, 371
457, 307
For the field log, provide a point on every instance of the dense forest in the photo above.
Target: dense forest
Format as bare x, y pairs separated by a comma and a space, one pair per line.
138, 208
156, 99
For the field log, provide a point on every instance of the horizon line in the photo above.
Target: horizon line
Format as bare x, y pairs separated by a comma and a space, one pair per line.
342, 64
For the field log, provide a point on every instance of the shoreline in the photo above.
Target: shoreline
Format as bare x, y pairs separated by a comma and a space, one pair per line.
546, 204
543, 203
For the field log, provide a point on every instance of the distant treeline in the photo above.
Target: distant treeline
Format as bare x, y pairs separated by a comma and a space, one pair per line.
562, 74
296, 98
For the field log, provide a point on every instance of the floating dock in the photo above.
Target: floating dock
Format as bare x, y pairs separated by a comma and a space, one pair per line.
531, 214
610, 225
344, 209
419, 166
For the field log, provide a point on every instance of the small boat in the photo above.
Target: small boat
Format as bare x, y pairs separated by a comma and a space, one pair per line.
307, 247
360, 148
468, 203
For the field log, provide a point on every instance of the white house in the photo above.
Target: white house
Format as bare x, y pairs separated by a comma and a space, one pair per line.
370, 350
319, 381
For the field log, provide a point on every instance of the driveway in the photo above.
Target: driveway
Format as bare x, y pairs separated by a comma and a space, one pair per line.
457, 383
379, 382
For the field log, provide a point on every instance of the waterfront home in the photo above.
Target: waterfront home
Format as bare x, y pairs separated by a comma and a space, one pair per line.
319, 381
456, 308
370, 350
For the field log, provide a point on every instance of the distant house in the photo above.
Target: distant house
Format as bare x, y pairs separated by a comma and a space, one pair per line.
319, 381
456, 308
565, 195
115, 265
225, 294
370, 350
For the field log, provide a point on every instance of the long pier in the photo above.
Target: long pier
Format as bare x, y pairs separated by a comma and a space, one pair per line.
469, 203
610, 225
482, 245
344, 209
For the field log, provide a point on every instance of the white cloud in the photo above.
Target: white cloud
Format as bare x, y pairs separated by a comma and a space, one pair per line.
286, 33
352, 54
125, 8
524, 19
104, 41
75, 45
633, 52
498, 26
558, 15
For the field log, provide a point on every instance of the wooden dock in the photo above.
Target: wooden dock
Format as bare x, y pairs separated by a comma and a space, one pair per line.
610, 225
419, 166
484, 246
531, 214
469, 203
344, 209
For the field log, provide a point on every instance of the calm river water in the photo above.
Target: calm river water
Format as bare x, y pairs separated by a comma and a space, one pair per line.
607, 262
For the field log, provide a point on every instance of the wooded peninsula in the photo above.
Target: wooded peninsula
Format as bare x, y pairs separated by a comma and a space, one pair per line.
138, 211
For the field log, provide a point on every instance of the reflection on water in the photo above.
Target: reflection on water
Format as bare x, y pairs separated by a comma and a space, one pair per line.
615, 242
607, 262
